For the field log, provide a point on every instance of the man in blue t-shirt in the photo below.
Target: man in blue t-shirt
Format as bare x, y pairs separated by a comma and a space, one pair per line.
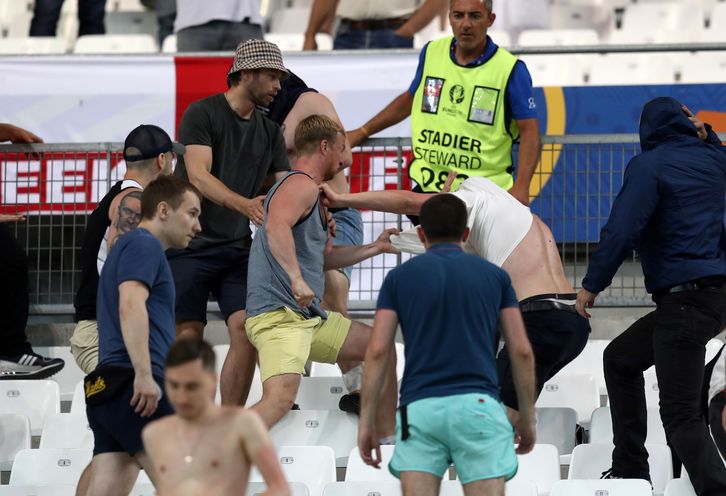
449, 303
136, 329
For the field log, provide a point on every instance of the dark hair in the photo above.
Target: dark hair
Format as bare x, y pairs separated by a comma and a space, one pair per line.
189, 349
312, 130
169, 189
443, 218
234, 79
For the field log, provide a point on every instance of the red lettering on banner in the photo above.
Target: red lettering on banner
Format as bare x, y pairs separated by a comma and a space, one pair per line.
83, 175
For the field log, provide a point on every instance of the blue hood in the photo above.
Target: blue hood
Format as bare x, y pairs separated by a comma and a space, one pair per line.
662, 120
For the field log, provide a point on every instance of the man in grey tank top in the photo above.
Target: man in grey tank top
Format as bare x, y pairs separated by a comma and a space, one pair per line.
289, 255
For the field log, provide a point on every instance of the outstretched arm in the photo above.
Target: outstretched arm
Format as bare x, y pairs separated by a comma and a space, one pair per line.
395, 112
15, 134
345, 256
393, 201
258, 446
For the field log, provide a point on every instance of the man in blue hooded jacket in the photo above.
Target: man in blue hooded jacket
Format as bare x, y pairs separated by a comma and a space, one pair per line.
670, 210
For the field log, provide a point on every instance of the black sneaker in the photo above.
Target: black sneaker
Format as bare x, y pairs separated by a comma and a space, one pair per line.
29, 366
608, 474
350, 403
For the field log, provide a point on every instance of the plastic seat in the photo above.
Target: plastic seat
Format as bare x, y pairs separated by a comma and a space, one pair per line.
69, 376
56, 490
585, 16
558, 426
601, 427
313, 466
78, 403
589, 461
336, 429
255, 394
605, 487
589, 361
67, 430
31, 46
296, 489
324, 370
169, 44
359, 471
49, 466
633, 69
540, 466
556, 70
687, 16
14, 436
704, 67
127, 23
577, 391
118, 43
520, 487
35, 399
680, 487
558, 37
293, 42
17, 26
124, 6
320, 393
364, 488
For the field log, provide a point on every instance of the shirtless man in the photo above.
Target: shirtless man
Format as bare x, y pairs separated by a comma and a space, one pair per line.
294, 102
204, 448
507, 234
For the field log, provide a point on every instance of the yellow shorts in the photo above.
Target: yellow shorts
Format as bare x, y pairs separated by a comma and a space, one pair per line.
285, 339
84, 345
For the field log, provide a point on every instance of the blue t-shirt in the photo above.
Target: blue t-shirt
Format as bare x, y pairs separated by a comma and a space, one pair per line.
519, 95
136, 256
448, 303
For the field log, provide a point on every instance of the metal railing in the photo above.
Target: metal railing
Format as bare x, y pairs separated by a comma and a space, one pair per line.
58, 185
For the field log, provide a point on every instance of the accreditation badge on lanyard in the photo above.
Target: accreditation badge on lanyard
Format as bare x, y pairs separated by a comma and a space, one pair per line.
483, 105
432, 94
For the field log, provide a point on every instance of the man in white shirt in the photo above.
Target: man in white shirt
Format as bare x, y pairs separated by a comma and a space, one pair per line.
216, 26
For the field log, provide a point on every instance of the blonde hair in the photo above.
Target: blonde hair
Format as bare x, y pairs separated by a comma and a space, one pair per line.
312, 130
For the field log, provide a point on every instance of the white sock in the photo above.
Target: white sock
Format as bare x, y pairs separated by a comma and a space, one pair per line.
353, 379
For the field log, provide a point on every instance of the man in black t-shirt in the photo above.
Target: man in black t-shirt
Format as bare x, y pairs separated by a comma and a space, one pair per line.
230, 150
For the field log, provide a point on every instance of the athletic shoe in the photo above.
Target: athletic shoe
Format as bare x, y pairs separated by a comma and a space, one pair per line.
350, 403
29, 366
608, 474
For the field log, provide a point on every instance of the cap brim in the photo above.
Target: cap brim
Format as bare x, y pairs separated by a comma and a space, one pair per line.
178, 148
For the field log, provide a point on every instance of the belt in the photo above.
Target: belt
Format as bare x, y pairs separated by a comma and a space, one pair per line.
536, 306
689, 286
374, 24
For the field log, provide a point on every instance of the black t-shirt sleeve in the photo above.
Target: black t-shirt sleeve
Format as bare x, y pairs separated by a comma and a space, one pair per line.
280, 163
196, 125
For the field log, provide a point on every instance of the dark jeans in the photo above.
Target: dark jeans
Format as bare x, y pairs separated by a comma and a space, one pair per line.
91, 14
216, 36
673, 338
348, 38
13, 296
715, 410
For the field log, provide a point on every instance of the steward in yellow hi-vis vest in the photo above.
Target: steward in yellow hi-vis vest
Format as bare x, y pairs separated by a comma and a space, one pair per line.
458, 119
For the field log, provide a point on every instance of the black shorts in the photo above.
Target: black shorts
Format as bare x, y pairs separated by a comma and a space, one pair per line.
221, 271
117, 427
557, 337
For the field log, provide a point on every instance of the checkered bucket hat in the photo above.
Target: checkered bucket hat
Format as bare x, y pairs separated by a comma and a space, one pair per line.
257, 54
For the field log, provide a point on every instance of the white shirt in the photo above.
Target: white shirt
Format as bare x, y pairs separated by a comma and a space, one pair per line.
718, 377
497, 221
191, 13
375, 9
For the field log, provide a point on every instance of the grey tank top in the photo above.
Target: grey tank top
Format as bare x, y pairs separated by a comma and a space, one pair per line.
268, 285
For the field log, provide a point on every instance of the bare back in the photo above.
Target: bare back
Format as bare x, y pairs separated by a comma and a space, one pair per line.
214, 461
535, 266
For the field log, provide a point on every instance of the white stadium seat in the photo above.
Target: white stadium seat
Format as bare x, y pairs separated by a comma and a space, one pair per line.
78, 403
584, 16
169, 44
717, 27
359, 471
293, 42
123, 6
132, 23
318, 369
680, 487
605, 487
558, 426
14, 436
313, 466
17, 26
258, 488
55, 490
647, 36
704, 67
364, 488
333, 428
601, 427
35, 399
652, 393
687, 16
320, 393
10, 8
557, 70
115, 43
589, 461
501, 38
69, 376
66, 430
520, 487
255, 395
589, 361
558, 37
541, 466
32, 45
49, 466
634, 68
577, 391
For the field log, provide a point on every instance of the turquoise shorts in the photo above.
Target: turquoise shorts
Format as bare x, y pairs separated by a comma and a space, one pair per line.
471, 431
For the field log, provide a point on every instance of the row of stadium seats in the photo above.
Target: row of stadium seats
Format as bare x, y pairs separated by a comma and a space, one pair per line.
314, 468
